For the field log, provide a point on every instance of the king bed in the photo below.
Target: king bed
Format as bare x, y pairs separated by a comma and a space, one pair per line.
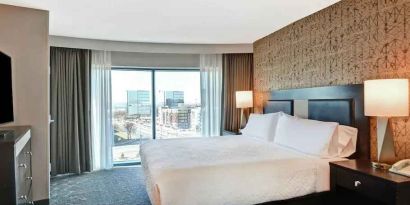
248, 170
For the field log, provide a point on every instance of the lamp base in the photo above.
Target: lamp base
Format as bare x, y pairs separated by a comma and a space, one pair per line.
382, 166
243, 119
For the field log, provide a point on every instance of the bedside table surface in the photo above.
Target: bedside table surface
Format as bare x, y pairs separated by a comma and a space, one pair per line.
365, 167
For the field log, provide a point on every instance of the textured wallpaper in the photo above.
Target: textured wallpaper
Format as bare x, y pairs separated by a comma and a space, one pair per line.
347, 43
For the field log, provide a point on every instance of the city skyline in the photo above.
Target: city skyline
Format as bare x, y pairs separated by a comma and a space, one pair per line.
188, 82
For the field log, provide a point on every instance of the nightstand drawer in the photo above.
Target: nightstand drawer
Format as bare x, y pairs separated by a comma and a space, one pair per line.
368, 186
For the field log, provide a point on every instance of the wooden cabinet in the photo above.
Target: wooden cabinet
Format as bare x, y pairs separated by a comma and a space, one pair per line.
357, 182
15, 166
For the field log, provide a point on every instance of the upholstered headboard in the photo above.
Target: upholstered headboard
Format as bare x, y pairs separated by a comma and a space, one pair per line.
343, 104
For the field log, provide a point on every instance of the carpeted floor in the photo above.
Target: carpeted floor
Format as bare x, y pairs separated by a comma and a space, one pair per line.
119, 186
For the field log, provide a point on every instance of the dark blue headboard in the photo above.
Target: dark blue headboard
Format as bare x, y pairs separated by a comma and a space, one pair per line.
342, 104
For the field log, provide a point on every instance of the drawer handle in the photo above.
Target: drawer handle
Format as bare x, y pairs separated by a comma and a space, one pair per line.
30, 202
29, 153
23, 197
29, 178
23, 166
357, 183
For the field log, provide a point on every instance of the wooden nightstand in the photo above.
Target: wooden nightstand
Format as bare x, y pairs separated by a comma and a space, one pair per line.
357, 182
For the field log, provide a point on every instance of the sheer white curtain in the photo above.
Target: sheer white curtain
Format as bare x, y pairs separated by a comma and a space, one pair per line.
101, 128
211, 94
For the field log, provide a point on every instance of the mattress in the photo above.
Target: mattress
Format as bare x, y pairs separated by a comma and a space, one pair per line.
228, 170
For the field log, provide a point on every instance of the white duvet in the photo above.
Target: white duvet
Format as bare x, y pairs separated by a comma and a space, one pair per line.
231, 170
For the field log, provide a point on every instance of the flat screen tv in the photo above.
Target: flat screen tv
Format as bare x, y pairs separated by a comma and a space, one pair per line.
6, 89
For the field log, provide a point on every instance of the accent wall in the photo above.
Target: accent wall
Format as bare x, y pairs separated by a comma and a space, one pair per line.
346, 43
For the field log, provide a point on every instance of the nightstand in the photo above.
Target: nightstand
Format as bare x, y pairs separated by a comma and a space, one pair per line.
357, 182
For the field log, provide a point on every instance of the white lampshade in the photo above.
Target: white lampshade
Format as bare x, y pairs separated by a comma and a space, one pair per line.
386, 97
244, 99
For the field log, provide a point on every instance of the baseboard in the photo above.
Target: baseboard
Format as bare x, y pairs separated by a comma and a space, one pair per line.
42, 202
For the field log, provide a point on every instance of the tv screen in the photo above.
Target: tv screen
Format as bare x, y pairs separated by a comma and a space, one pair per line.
6, 89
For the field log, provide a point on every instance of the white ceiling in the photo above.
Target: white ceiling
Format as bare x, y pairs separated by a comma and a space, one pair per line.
172, 21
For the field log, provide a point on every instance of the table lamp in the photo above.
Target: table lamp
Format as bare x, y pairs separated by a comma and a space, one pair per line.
385, 98
244, 99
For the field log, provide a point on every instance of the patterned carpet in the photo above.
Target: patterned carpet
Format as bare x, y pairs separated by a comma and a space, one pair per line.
119, 186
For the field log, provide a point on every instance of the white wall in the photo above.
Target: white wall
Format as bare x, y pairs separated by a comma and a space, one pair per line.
155, 59
69, 42
162, 55
24, 37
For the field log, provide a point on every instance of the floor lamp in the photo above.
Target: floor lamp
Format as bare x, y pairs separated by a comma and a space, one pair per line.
385, 98
244, 100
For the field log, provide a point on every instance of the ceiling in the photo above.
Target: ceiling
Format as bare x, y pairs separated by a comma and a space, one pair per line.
172, 21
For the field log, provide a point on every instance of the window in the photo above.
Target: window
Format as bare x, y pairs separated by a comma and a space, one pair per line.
178, 98
177, 110
132, 112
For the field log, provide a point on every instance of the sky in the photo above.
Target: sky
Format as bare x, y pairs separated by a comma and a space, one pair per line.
187, 81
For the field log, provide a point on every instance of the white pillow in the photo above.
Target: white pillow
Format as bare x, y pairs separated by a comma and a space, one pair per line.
308, 136
347, 140
262, 126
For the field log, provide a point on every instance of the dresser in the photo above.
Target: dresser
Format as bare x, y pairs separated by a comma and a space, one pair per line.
15, 165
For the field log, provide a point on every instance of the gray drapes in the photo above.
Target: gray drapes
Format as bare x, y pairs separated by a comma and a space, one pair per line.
238, 75
70, 142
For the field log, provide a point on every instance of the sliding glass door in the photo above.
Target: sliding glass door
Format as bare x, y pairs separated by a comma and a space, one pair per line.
132, 113
175, 105
178, 98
